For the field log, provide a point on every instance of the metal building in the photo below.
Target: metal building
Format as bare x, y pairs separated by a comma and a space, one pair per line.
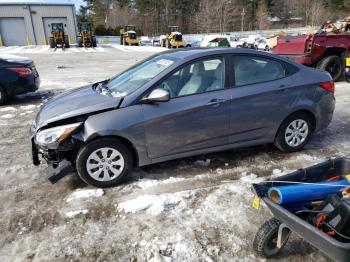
28, 22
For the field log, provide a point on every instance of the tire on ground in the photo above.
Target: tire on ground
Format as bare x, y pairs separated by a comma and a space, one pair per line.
52, 42
332, 60
80, 41
280, 140
66, 42
85, 152
94, 41
265, 241
3, 96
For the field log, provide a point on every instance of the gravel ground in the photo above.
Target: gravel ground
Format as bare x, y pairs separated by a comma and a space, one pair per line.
193, 209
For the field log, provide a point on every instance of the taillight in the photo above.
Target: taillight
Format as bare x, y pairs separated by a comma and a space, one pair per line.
328, 86
21, 71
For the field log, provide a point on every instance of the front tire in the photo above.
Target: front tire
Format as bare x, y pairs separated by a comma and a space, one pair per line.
294, 133
265, 241
104, 162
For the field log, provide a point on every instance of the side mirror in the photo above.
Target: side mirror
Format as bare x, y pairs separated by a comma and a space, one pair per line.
157, 95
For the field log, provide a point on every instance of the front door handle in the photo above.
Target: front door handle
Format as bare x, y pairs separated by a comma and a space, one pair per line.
283, 87
216, 101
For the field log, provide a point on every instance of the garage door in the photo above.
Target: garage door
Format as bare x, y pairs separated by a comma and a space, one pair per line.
47, 21
13, 31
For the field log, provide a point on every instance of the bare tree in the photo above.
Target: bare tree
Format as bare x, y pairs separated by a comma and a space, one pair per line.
262, 14
217, 15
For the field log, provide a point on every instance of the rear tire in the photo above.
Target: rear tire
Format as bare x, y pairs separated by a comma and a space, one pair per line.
80, 42
52, 43
332, 64
113, 162
3, 96
66, 42
265, 241
94, 42
294, 133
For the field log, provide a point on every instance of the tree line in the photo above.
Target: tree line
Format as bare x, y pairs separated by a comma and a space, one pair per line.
151, 17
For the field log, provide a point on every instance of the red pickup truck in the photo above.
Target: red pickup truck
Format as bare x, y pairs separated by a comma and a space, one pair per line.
325, 50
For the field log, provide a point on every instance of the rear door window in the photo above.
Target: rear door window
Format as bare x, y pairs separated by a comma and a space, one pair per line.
252, 70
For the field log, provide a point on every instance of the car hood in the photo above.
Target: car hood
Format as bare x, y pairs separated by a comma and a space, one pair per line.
81, 101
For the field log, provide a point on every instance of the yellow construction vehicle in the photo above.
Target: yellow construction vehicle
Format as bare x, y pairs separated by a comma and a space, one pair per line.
128, 36
58, 38
86, 37
173, 38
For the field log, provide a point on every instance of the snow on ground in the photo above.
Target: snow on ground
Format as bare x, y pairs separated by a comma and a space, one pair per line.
45, 49
193, 209
74, 213
87, 193
7, 109
154, 204
8, 116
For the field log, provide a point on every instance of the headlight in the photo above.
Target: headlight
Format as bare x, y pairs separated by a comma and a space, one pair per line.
55, 134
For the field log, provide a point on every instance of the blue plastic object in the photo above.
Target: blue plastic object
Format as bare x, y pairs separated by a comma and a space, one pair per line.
291, 194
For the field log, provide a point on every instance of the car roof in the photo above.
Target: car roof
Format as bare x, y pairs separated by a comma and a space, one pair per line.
185, 53
198, 52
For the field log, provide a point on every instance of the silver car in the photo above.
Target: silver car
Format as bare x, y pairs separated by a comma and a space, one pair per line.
178, 104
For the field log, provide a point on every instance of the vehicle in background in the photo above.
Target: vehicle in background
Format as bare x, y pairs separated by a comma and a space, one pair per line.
262, 44
178, 104
173, 38
219, 42
58, 37
18, 76
145, 41
86, 36
325, 50
196, 43
347, 69
156, 41
234, 41
128, 35
248, 42
208, 38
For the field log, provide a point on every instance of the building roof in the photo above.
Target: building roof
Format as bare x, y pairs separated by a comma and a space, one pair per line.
36, 2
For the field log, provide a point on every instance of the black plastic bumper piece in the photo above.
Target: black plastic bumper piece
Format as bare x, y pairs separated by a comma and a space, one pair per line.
56, 173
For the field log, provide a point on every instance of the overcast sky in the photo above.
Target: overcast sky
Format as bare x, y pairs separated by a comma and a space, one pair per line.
77, 3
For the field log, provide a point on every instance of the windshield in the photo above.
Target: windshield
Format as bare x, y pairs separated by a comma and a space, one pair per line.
136, 76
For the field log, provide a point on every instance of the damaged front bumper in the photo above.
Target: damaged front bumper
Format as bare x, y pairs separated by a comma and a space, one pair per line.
57, 167
55, 155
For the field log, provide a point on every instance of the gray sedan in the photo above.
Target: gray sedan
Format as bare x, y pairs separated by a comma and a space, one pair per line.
178, 104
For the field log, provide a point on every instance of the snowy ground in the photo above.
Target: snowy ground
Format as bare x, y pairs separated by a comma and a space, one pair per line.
194, 209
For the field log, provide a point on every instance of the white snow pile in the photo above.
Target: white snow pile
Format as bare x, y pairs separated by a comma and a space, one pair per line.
7, 109
147, 183
14, 58
153, 204
8, 116
86, 193
250, 179
28, 107
26, 113
74, 213
306, 157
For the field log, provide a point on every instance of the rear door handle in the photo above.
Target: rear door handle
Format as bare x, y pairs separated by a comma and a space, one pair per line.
216, 101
